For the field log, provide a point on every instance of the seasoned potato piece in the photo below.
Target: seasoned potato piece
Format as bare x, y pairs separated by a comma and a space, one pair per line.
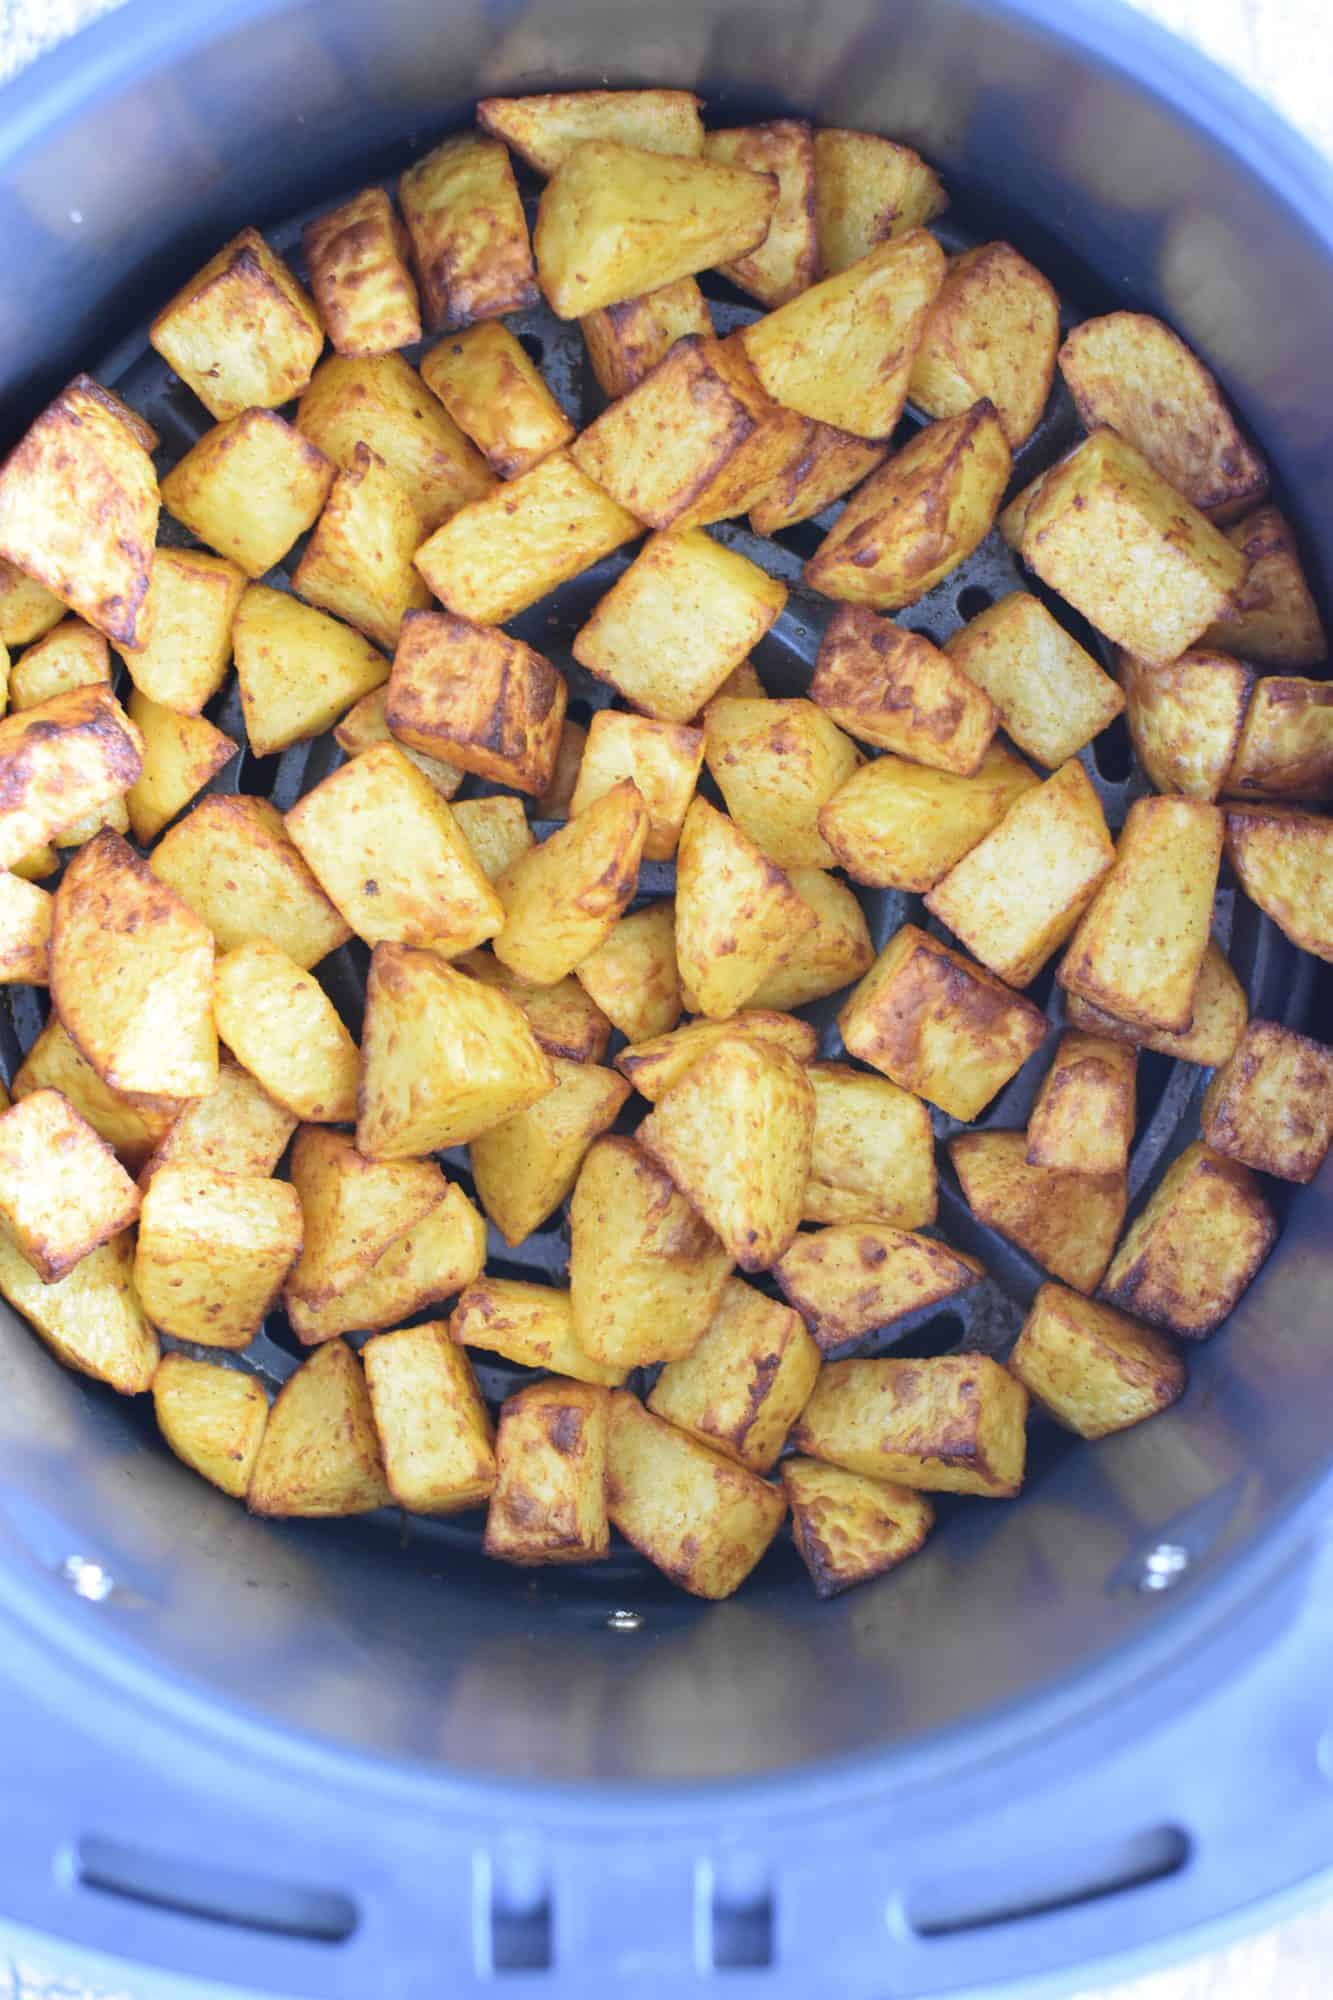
833, 954
735, 1134
1139, 949
474, 697
192, 599
698, 1517
1185, 718
1051, 695
1129, 371
353, 1209
298, 669
746, 1382
1286, 746
1068, 1222
91, 1320
95, 556
549, 1502
662, 758
867, 190
1017, 895
279, 1023
993, 331
212, 1417
955, 1424
828, 465
1094, 1369
499, 554
852, 1277
1220, 1013
1271, 1105
545, 130
138, 426
469, 237
357, 258
1083, 1119
524, 1168
645, 1271
62, 1190
1012, 520
444, 1056
554, 802
358, 561
1272, 619
365, 725
36, 866
936, 1024
842, 352
27, 608
847, 1528
737, 913
180, 754
497, 396
431, 1261
434, 1429
1125, 549
496, 829
232, 861
563, 898
381, 401
787, 259
213, 1252
895, 689
320, 1454
873, 1154
742, 684
242, 333
562, 1017
632, 974
616, 221
652, 1067
132, 974
776, 763
249, 488
625, 341
132, 1126
900, 825
25, 932
1283, 858
530, 1324
1190, 1253
72, 655
236, 1129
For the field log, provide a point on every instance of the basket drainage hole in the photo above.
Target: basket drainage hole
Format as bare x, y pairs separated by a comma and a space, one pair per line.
973, 601
534, 347
517, 1902
739, 1912
1016, 1890
214, 1895
1113, 753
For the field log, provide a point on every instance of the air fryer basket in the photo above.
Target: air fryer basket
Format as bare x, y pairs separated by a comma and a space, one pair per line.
357, 1651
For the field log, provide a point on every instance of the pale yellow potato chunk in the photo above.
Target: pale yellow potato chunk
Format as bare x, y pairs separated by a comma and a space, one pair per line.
192, 598
320, 1455
380, 401
901, 825
431, 1261
358, 561
954, 1424
236, 1129
1185, 718
63, 1192
829, 464
549, 1501
737, 913
993, 331
788, 258
1190, 1253
624, 341
632, 975
652, 1067
232, 861
776, 763
72, 655
524, 1167
1083, 1119
1068, 1222
867, 191
662, 758
249, 488
298, 669
545, 130
826, 958
564, 897
746, 1382
872, 1158
1272, 620
213, 1252
893, 688
496, 829
530, 1324
496, 394
242, 332
27, 608
180, 754
1051, 695
1286, 745
435, 1432
847, 1528
353, 1210
280, 1025
469, 236
25, 932
1283, 858
1094, 1369
92, 1319
70, 758
853, 1277
357, 256
1271, 1104
212, 1417
1220, 1014
131, 1126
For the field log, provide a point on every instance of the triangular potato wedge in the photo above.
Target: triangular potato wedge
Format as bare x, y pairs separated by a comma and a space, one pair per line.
353, 1209
321, 1454
530, 1324
68, 758
737, 914
435, 1431
433, 1260
280, 1023
824, 960
131, 1126
856, 1276
213, 1418
652, 1067
525, 1167
563, 898
90, 1320
180, 754
544, 130
1068, 1223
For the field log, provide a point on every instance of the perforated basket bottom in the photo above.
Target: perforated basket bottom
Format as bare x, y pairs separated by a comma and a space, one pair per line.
1278, 980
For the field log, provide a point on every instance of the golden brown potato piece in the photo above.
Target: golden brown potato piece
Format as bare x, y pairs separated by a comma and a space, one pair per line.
893, 688
249, 488
380, 401
497, 396
213, 1252
358, 561
955, 1424
1272, 619
27, 608
936, 1024
828, 465
524, 1168
1286, 746
562, 1017
192, 599
835, 952
132, 1126
776, 763
435, 1432
298, 669
320, 1454
549, 1502
625, 341
236, 1129
842, 352
1051, 695
735, 1135
530, 1324
1139, 949
1017, 895
867, 190
357, 256
544, 130
652, 1067
901, 825
72, 655
742, 684
1190, 1253
25, 931
180, 754
1271, 1105
365, 725
96, 555
468, 233
1068, 1222
563, 898
474, 697
1283, 858
1083, 1118
42, 861
232, 861
242, 333
847, 1528
132, 974
1129, 371
873, 1154
496, 829
645, 1271
616, 221
852, 1277
662, 758
1126, 550
499, 554
746, 1382
62, 1190
632, 975
698, 1517
281, 1026
444, 1056
212, 1417
91, 1320
737, 913
431, 1261
1220, 1013
993, 331
1185, 718
554, 802
787, 260
1094, 1369
353, 1210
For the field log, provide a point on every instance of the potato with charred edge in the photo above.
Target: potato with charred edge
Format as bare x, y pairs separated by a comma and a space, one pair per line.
364, 725
1272, 619
1191, 1252
242, 333
380, 401
662, 758
1185, 718
993, 331
955, 1424
1271, 1105
564, 1020
357, 256
544, 130
554, 802
27, 608
212, 1418
320, 1455
192, 598
435, 1432
1286, 745
532, 1325
1067, 1222
563, 898
249, 488
232, 862
1051, 695
737, 913
524, 1168
92, 1319
867, 191
893, 688
1083, 1118
936, 1024
828, 465
549, 1500
62, 1190
698, 1517
181, 753
353, 1210
1283, 858
25, 932
625, 341
872, 1158
776, 763
1094, 1369
652, 1067
852, 1277
358, 561
298, 669
69, 758
474, 697
213, 1252
131, 1126
280, 1024
902, 825
788, 258
497, 395
746, 1382
431, 1261
1220, 1013
236, 1129
72, 655
824, 959
847, 1528
633, 975
468, 234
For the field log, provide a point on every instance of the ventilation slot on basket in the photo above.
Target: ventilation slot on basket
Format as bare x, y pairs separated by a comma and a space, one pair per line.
1039, 1888
513, 1931
215, 1895
738, 1910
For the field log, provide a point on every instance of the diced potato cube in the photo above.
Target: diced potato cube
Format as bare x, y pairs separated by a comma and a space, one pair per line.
1190, 1253
565, 1021
632, 975
955, 1424
91, 1320
1272, 619
496, 829
180, 754
1271, 1105
936, 1024
737, 913
432, 1260
532, 1325
192, 600
652, 1067
1286, 746
380, 401
320, 1455
434, 1429
524, 1168
242, 332
298, 669
1094, 1369
776, 763
868, 190
662, 758
544, 130
625, 341
1220, 1013
279, 1023
893, 688
554, 802
471, 695
853, 1277
873, 1154
835, 952
353, 1210
993, 331
1068, 1222
564, 897
236, 1129
232, 861
249, 488
469, 237
1051, 695
357, 256
1185, 718
1083, 1118
212, 1417
901, 825
70, 656
365, 725
549, 1502
497, 396
698, 1517
132, 1126
62, 1190
829, 464
25, 932
746, 1382
847, 1528
788, 258
1283, 859
27, 608
358, 561
213, 1252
